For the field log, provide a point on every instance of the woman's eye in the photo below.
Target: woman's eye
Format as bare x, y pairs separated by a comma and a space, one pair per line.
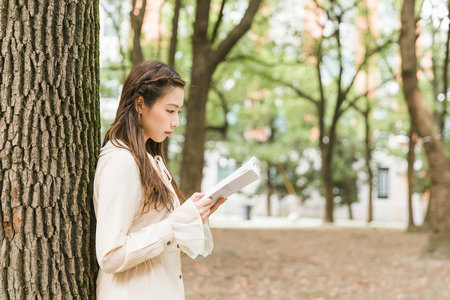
170, 111
179, 112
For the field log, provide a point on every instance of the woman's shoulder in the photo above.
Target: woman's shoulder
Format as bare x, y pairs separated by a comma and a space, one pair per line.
116, 149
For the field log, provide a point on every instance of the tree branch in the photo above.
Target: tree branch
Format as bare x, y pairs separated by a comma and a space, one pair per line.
222, 129
352, 102
218, 22
366, 58
234, 35
242, 57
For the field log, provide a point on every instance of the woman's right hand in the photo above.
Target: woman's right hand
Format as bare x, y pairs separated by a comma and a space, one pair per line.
203, 205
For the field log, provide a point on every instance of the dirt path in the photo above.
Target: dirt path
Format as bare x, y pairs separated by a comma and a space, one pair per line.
316, 264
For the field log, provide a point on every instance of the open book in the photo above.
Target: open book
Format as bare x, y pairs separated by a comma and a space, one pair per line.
240, 178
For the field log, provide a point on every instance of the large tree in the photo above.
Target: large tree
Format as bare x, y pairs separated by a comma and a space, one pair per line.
328, 110
49, 141
206, 58
426, 127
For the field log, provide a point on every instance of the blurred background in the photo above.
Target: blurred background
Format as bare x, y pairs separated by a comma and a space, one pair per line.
350, 132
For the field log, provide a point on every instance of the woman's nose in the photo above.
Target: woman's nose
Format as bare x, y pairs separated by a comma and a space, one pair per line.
175, 123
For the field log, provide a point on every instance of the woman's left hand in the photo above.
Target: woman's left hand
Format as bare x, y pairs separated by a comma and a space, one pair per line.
216, 205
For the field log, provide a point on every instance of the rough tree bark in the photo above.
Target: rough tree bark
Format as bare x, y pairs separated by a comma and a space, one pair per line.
205, 61
49, 142
427, 129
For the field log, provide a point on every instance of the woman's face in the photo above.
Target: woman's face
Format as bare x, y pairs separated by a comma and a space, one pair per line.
161, 119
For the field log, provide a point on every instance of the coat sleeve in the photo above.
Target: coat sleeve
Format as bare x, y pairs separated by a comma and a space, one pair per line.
119, 196
194, 238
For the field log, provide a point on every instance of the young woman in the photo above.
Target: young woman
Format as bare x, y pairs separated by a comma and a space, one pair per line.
141, 224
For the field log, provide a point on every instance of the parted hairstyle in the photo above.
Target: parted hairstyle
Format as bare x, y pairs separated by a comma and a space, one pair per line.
150, 80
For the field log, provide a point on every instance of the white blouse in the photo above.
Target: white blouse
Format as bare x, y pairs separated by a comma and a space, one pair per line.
139, 254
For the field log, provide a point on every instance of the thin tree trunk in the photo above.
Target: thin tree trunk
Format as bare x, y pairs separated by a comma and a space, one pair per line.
329, 194
136, 21
174, 36
49, 141
445, 81
159, 41
426, 221
269, 189
424, 123
286, 181
411, 160
350, 211
172, 51
368, 148
205, 61
327, 171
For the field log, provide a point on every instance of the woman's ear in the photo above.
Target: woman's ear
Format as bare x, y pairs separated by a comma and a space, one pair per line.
139, 104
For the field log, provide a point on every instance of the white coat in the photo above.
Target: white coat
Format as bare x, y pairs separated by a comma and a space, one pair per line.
139, 255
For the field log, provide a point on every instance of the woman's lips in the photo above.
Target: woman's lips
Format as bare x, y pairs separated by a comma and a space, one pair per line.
168, 133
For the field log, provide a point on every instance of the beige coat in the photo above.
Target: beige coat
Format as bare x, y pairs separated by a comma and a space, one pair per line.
139, 255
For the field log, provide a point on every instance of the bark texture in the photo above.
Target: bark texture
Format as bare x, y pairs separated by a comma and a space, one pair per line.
427, 129
49, 141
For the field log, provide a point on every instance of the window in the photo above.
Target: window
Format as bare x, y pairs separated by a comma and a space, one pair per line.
383, 183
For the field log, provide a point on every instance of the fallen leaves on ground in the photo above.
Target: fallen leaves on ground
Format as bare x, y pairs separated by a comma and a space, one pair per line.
330, 263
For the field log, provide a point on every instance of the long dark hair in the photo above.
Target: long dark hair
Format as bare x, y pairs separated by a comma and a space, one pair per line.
149, 80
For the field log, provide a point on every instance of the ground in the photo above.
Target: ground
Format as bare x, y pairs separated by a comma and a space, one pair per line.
320, 263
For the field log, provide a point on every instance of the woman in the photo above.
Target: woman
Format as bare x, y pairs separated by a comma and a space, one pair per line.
141, 226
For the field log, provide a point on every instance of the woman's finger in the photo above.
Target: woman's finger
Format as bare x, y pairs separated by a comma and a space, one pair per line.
217, 204
197, 196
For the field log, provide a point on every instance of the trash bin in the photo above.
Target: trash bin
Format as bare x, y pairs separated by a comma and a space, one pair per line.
246, 211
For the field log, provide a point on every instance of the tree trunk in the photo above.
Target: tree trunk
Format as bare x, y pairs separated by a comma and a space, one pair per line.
350, 212
327, 183
159, 41
286, 181
426, 221
174, 36
49, 141
192, 161
368, 148
136, 21
205, 61
411, 160
425, 125
172, 51
444, 109
269, 189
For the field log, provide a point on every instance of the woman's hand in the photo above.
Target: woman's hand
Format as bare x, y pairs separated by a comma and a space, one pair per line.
216, 205
203, 205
